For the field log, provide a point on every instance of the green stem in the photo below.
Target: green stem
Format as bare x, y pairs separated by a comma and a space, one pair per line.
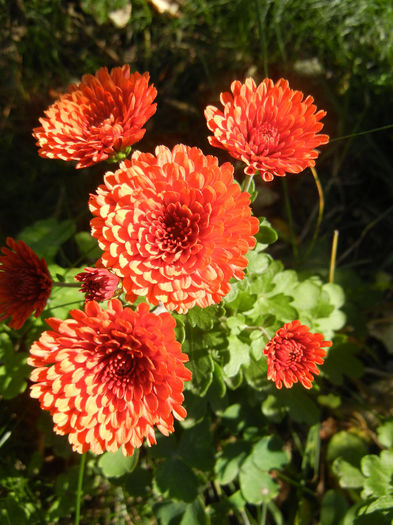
320, 212
321, 204
295, 483
288, 210
333, 256
264, 513
382, 128
67, 285
247, 182
79, 488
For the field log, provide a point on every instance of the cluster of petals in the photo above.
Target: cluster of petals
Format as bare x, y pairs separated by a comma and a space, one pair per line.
293, 353
98, 118
174, 226
109, 377
98, 284
25, 283
269, 127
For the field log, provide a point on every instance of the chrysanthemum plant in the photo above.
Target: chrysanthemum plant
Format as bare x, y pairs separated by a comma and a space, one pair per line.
186, 316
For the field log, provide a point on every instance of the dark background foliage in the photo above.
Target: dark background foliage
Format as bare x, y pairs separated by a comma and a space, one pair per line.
341, 53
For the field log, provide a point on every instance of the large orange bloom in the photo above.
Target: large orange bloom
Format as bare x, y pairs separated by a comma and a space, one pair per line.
175, 227
98, 118
293, 353
108, 377
269, 127
25, 283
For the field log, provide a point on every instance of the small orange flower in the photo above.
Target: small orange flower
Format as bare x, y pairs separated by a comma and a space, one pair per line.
98, 284
293, 353
98, 118
108, 377
175, 227
269, 127
25, 283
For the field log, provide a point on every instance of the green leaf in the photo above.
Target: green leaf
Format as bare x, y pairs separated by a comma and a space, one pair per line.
347, 445
385, 433
138, 482
266, 234
195, 514
379, 474
306, 296
329, 325
200, 363
234, 417
273, 409
177, 480
169, 513
256, 484
349, 476
382, 505
64, 299
227, 466
115, 464
333, 507
204, 318
329, 400
166, 446
239, 354
258, 262
278, 305
13, 371
236, 499
285, 281
300, 405
196, 409
46, 236
268, 453
217, 388
342, 361
88, 246
196, 448
335, 293
255, 373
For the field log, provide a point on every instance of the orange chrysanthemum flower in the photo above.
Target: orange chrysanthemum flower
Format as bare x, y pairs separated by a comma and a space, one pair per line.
25, 283
293, 353
98, 118
175, 227
98, 284
108, 377
269, 127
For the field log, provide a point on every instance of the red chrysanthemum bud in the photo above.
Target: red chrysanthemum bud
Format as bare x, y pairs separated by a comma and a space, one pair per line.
99, 118
25, 283
98, 284
269, 127
108, 377
175, 226
293, 353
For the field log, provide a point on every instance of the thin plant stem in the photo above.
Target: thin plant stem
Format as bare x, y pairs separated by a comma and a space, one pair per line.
67, 285
333, 256
295, 484
382, 128
79, 488
247, 182
288, 210
320, 209
264, 513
